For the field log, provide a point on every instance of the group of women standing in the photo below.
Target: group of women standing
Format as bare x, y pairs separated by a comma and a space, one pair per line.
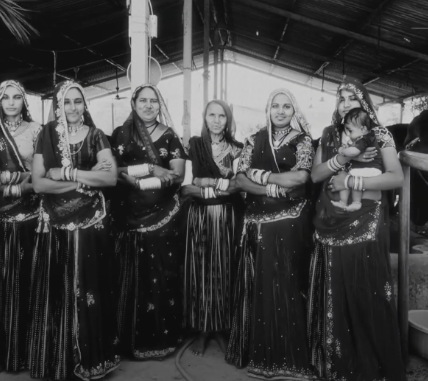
117, 246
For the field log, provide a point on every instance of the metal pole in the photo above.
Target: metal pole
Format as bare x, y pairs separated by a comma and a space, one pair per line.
187, 70
206, 48
222, 74
225, 82
216, 38
138, 22
403, 263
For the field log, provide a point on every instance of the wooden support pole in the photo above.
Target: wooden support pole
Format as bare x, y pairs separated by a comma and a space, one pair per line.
225, 82
403, 263
187, 70
206, 48
222, 74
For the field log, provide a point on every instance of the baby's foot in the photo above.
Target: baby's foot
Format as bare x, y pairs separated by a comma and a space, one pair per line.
354, 206
339, 204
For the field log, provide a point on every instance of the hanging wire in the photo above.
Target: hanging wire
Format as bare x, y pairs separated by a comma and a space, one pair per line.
76, 49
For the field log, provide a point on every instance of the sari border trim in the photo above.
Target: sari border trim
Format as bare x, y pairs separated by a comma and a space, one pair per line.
368, 236
292, 212
99, 372
153, 353
162, 222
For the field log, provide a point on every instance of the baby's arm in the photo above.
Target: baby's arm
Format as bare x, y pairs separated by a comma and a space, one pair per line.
349, 151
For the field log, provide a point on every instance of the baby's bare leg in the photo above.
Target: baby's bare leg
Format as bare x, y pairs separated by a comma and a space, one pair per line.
356, 200
344, 196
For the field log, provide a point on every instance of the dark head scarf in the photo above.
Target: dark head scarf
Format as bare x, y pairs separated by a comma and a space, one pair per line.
135, 126
10, 153
74, 209
201, 149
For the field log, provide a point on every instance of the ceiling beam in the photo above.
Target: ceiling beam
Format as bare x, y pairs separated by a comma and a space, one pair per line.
287, 22
387, 71
111, 62
334, 29
293, 49
297, 68
366, 22
201, 17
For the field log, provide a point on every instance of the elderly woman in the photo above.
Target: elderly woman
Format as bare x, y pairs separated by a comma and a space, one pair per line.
353, 330
269, 324
213, 222
72, 330
18, 212
151, 161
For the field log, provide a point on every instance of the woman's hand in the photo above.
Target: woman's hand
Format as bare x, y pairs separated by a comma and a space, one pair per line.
337, 183
130, 180
122, 170
103, 165
167, 176
368, 155
26, 186
204, 182
24, 176
54, 174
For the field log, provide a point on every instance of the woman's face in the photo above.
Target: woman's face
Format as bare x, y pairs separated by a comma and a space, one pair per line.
281, 111
347, 101
12, 102
147, 105
215, 118
74, 105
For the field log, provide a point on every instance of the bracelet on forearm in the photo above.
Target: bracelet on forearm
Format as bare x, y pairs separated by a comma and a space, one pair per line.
334, 165
140, 170
150, 183
5, 177
222, 184
347, 181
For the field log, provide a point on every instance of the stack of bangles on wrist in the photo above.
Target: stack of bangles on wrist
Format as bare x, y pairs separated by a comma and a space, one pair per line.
358, 183
210, 192
140, 170
10, 180
274, 190
334, 165
258, 176
147, 184
70, 174
221, 184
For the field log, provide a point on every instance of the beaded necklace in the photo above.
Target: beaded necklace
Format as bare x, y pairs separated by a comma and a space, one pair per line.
13, 126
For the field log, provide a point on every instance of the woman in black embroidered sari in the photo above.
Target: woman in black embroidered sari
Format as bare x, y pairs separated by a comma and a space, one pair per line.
73, 324
269, 323
151, 161
353, 330
18, 211
213, 226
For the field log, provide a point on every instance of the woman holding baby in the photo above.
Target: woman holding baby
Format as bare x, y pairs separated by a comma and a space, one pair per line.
353, 330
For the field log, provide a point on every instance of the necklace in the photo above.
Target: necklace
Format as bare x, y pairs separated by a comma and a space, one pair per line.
216, 144
284, 131
75, 128
156, 126
17, 133
279, 137
13, 126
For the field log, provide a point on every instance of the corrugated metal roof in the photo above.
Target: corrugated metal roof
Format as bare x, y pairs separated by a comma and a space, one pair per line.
254, 33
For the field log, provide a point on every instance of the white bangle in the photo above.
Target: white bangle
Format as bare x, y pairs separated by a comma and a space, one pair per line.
150, 183
140, 170
346, 181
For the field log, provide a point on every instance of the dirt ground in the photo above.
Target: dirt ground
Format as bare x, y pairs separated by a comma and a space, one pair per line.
211, 367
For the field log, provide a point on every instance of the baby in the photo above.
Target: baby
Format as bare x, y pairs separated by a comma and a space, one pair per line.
358, 127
